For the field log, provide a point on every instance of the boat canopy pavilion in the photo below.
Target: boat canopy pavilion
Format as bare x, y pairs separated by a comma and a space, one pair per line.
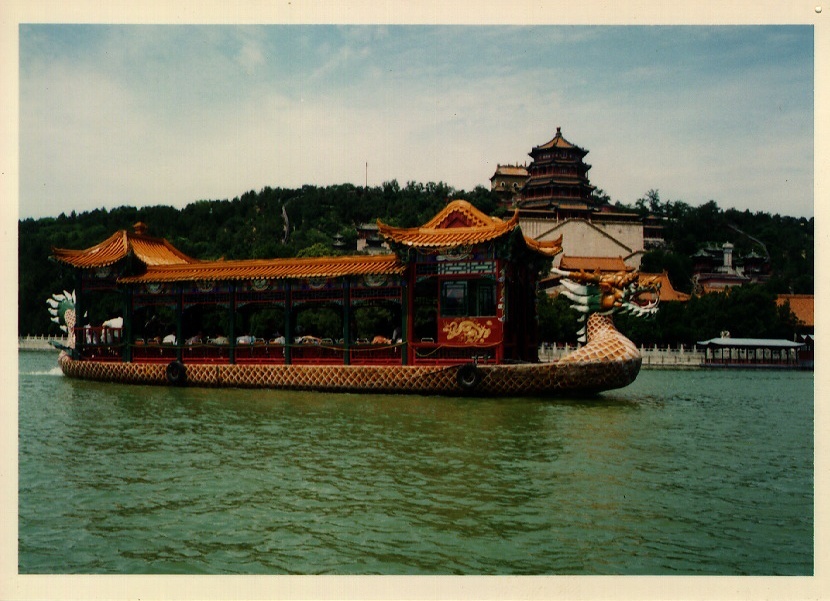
457, 289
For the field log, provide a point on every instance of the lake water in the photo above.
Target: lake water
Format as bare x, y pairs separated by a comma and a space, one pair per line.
681, 473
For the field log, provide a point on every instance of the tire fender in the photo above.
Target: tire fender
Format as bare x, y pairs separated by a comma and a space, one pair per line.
468, 376
176, 373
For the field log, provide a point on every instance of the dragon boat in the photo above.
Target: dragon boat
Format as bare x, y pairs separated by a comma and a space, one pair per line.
457, 296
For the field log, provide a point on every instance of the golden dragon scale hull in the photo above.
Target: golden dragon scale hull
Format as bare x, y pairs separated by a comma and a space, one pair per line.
608, 361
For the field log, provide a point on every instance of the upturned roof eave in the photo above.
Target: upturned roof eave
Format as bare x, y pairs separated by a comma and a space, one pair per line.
83, 259
118, 246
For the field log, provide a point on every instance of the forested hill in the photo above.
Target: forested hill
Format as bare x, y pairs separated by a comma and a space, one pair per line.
252, 226
788, 241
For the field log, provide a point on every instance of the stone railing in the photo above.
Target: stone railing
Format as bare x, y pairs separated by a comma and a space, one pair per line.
653, 357
38, 343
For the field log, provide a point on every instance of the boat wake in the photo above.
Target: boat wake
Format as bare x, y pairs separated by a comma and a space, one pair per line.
55, 371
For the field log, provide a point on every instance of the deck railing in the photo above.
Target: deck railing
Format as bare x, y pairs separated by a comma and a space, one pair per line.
107, 344
434, 353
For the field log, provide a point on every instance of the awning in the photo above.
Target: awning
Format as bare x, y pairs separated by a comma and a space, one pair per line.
769, 343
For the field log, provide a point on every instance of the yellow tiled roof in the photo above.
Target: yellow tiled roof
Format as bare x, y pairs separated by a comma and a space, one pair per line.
273, 269
511, 170
603, 264
558, 141
667, 291
150, 251
460, 223
551, 248
802, 305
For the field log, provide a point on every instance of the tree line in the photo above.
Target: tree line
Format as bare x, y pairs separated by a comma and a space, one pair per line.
307, 221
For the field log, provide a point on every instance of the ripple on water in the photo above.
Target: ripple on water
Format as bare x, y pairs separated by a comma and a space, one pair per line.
680, 473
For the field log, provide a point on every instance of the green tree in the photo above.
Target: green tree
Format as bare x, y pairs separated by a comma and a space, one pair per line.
558, 321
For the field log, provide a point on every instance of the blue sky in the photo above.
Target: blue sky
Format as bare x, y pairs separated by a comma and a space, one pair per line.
168, 114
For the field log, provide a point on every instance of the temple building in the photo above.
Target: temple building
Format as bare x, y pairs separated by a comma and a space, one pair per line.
716, 269
558, 179
556, 199
507, 183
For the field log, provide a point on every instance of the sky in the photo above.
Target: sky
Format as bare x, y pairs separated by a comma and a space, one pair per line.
137, 115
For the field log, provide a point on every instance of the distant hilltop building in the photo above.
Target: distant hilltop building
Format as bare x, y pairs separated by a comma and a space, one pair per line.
716, 269
507, 182
555, 197
557, 180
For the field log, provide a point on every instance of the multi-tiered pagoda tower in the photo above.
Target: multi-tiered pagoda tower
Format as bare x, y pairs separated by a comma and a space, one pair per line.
558, 180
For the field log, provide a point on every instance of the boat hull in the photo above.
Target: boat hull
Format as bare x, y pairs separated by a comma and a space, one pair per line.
608, 361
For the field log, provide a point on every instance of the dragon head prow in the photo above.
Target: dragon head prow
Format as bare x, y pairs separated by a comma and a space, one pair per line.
607, 293
643, 296
62, 311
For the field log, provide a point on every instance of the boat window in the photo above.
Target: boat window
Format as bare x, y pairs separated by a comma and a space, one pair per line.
486, 299
468, 298
454, 299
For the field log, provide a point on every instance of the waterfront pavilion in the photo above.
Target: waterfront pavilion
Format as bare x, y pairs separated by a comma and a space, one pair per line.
750, 352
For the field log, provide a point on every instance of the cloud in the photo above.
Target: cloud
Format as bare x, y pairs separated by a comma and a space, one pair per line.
149, 115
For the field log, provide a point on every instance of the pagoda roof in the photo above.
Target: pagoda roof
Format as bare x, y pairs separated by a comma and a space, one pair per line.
592, 264
550, 203
559, 141
272, 269
149, 250
460, 223
565, 180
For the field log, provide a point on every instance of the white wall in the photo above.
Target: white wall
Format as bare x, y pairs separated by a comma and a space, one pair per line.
588, 239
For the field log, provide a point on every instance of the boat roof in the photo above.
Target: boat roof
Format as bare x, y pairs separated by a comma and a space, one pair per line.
149, 250
459, 224
272, 269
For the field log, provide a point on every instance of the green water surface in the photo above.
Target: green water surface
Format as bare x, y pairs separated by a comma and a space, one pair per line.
683, 472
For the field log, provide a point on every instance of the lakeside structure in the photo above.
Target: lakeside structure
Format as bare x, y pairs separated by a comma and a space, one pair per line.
40, 343
725, 351
461, 289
